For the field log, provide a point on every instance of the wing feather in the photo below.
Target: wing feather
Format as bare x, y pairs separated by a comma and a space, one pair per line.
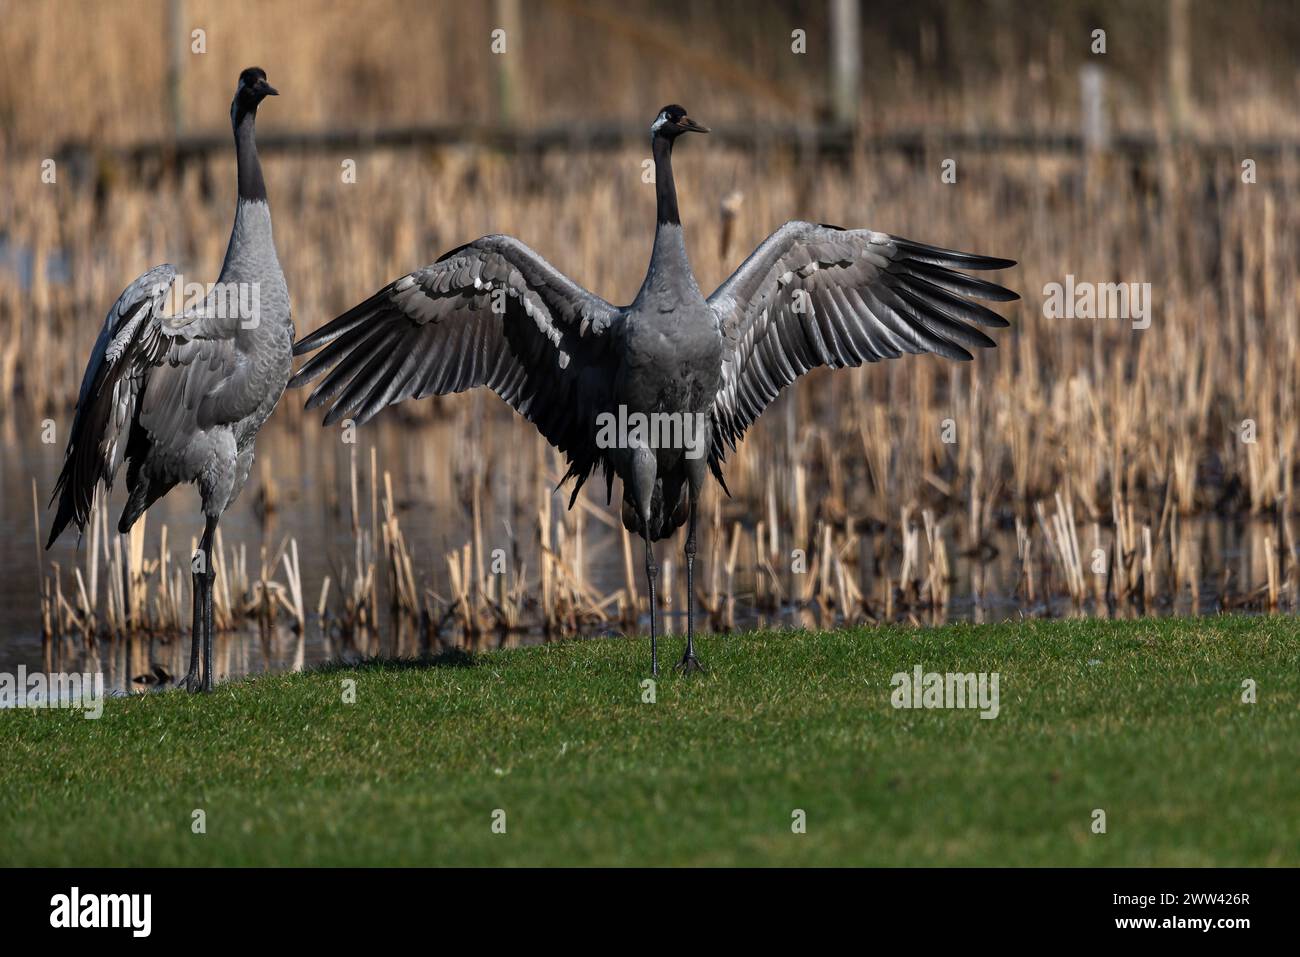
813, 295
490, 313
130, 343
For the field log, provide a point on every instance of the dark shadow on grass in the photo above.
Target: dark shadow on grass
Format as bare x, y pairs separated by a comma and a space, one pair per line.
451, 658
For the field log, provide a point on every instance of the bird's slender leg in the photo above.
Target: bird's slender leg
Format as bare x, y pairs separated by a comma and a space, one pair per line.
651, 573
689, 662
191, 680
209, 575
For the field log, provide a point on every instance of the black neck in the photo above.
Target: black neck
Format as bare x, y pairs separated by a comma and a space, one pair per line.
251, 184
665, 189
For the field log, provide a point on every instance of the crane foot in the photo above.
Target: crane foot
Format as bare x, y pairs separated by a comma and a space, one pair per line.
689, 665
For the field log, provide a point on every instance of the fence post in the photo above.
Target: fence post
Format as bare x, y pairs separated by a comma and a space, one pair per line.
507, 19
1092, 93
846, 61
1180, 79
176, 41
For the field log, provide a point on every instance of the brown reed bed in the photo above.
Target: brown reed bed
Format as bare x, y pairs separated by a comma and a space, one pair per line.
489, 590
1201, 405
1085, 436
1074, 439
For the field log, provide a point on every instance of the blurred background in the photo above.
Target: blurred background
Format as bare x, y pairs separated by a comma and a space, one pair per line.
1084, 467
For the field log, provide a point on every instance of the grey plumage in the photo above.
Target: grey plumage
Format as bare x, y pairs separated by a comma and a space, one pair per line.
865, 296
130, 342
435, 332
182, 398
494, 313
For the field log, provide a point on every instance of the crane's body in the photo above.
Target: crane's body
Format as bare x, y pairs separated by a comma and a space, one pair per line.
810, 295
201, 409
671, 363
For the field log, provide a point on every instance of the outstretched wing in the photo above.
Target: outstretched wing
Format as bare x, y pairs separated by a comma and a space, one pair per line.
134, 339
814, 295
491, 313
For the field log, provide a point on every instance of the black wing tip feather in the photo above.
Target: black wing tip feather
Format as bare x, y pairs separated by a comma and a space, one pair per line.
314, 340
67, 513
63, 515
342, 410
340, 324
954, 352
956, 256
317, 365
321, 337
991, 262
992, 291
315, 401
300, 377
948, 318
946, 258
311, 369
306, 344
953, 257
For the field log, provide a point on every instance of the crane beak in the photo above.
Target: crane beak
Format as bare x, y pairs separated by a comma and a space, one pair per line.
690, 125
267, 89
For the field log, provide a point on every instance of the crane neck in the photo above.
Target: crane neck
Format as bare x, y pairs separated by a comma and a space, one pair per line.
665, 188
669, 256
250, 254
251, 184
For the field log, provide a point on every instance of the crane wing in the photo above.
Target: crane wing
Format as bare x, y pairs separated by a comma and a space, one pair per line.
814, 295
132, 340
149, 371
491, 313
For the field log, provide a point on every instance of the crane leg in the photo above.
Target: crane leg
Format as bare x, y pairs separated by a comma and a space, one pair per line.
689, 662
209, 575
191, 680
651, 573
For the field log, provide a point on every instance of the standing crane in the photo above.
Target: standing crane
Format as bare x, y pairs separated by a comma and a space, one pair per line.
181, 398
494, 313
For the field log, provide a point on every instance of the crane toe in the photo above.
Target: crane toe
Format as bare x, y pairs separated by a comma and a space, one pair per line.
689, 665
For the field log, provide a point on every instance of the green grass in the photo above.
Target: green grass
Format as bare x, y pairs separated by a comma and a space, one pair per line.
1141, 719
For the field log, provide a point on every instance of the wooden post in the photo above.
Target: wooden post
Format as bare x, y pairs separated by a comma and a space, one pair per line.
177, 43
1092, 93
1180, 76
1096, 131
846, 61
506, 13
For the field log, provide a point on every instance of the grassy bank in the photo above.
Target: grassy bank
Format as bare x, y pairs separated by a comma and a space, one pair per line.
1141, 719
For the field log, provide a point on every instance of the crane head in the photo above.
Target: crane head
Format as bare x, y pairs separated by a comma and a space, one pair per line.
251, 91
672, 121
